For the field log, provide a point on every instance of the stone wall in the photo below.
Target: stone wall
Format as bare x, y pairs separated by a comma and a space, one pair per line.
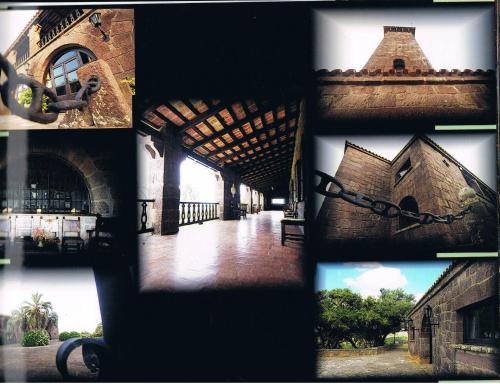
231, 203
325, 353
398, 42
94, 157
150, 178
3, 327
463, 284
434, 96
434, 180
118, 52
341, 221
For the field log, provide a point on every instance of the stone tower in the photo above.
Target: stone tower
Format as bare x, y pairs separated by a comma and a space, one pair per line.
398, 50
399, 84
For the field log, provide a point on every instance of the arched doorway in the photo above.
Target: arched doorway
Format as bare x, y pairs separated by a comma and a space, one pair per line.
425, 339
409, 204
52, 186
61, 73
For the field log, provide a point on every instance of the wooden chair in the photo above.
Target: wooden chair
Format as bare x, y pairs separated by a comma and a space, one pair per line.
5, 224
104, 237
291, 211
71, 240
243, 210
23, 230
291, 236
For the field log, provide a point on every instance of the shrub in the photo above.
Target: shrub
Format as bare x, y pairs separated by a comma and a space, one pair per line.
86, 334
130, 81
25, 97
68, 335
35, 338
98, 330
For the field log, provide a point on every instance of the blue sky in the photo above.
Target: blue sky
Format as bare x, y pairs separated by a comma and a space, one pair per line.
367, 278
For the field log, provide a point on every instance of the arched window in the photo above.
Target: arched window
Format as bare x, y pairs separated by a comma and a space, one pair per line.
52, 187
407, 204
61, 74
399, 65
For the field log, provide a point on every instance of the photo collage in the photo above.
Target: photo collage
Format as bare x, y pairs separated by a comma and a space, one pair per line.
249, 191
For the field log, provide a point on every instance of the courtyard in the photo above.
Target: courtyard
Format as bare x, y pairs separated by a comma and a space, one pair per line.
24, 364
395, 363
222, 254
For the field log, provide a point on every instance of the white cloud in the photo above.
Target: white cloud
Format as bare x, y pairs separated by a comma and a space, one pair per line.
418, 296
360, 267
372, 280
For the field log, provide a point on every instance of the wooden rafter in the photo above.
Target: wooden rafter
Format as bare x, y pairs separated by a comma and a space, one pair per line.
261, 153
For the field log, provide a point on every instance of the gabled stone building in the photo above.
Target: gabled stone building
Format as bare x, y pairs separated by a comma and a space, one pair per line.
60, 48
455, 325
399, 83
422, 177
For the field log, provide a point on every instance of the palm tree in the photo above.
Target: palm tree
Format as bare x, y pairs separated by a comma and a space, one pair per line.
36, 313
15, 326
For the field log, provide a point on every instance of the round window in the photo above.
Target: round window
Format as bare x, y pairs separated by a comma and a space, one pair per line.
62, 76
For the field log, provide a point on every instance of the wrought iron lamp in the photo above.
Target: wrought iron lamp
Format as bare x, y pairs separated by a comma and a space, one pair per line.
428, 315
95, 20
408, 323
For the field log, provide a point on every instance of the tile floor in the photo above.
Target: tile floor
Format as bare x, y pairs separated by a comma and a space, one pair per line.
222, 254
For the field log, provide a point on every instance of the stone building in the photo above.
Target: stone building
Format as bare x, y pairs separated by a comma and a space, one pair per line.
422, 177
455, 325
228, 139
399, 83
252, 143
62, 182
61, 47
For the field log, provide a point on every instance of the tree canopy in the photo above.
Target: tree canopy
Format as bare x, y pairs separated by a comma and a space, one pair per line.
344, 316
31, 316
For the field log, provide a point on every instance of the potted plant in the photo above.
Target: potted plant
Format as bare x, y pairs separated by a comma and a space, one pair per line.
40, 235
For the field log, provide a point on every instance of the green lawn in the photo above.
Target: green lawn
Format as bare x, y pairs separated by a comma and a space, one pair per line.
400, 339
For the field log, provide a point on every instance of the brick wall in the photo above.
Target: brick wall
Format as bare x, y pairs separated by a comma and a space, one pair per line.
463, 284
358, 171
406, 97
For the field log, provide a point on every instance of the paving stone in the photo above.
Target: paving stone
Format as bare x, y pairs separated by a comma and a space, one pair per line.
390, 364
222, 254
27, 364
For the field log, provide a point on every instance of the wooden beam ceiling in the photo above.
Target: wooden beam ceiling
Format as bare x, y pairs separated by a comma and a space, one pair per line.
255, 139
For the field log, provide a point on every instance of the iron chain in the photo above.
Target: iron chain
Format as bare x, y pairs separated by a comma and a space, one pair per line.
55, 104
379, 206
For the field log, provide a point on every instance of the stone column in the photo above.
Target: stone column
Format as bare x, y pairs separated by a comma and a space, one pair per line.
251, 201
230, 203
107, 108
172, 158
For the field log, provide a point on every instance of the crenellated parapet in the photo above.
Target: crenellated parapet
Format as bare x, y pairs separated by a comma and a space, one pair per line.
406, 73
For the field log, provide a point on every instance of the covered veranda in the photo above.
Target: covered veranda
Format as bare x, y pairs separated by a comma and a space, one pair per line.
254, 149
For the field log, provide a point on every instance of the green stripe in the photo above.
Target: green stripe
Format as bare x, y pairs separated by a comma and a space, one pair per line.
4, 133
489, 127
466, 254
4, 261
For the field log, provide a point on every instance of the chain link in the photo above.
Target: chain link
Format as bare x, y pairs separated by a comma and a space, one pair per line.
55, 104
381, 207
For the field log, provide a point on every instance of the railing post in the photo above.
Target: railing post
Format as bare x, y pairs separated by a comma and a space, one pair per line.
197, 212
144, 215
